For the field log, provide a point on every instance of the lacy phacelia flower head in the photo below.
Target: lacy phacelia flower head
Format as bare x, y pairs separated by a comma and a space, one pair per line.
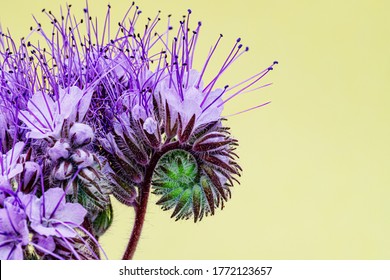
169, 120
97, 115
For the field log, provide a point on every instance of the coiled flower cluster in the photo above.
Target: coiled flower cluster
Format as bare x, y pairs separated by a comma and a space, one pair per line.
86, 117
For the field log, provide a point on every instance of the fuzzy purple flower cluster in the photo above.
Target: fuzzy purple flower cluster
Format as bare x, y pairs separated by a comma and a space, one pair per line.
88, 115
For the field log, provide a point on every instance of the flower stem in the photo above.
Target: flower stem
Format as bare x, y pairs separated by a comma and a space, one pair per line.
140, 209
140, 212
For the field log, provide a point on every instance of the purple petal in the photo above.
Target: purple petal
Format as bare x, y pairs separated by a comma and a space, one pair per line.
64, 231
72, 213
44, 230
11, 252
13, 221
84, 105
31, 205
17, 169
45, 242
14, 153
193, 78
54, 200
68, 99
150, 125
138, 112
42, 107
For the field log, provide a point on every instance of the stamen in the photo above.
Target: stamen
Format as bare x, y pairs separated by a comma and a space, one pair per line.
219, 96
244, 88
40, 248
208, 60
250, 109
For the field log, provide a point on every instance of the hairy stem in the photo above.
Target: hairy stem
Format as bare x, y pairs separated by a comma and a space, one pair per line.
140, 212
143, 197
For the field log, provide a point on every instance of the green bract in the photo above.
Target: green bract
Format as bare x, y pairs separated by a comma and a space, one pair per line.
186, 187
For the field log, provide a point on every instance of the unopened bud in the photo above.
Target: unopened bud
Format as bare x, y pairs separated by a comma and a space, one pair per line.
82, 158
59, 150
30, 175
63, 171
81, 134
88, 174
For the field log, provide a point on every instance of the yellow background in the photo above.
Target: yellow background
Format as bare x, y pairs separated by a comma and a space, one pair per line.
316, 182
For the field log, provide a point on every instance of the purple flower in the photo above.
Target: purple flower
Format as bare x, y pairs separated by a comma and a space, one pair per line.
13, 232
191, 100
157, 120
51, 215
45, 115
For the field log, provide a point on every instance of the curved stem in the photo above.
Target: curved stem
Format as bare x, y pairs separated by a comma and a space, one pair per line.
140, 210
